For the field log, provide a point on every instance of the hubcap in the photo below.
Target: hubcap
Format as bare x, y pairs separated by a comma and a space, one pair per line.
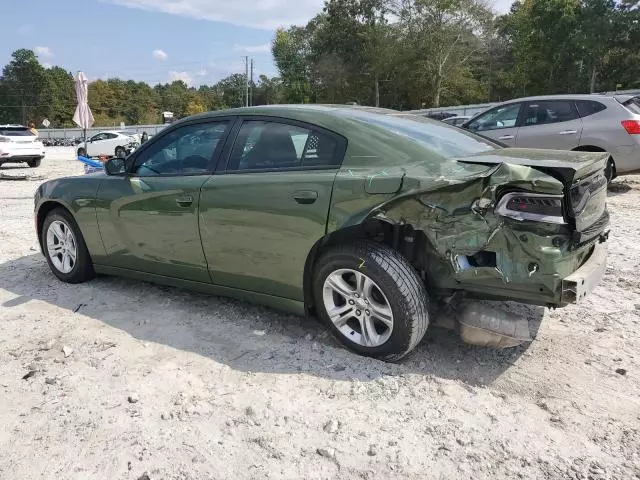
357, 307
61, 246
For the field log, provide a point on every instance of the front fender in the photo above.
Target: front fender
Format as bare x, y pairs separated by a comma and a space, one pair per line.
78, 195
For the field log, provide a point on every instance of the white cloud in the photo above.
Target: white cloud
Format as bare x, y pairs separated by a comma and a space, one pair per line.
264, 48
47, 65
184, 76
44, 52
266, 14
159, 55
201, 73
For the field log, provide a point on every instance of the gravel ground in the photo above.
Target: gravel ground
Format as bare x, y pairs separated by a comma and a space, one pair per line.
136, 381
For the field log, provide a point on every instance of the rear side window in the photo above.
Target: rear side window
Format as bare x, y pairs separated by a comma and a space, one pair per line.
549, 111
264, 145
589, 107
15, 132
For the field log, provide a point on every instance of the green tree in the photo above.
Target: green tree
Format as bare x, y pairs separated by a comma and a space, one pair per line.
24, 84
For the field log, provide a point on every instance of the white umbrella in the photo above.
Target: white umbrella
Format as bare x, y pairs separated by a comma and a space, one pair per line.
83, 116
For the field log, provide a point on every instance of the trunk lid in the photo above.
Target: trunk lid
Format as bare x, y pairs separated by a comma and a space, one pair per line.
582, 174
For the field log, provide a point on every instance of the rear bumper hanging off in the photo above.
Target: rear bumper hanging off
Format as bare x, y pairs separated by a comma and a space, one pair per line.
582, 282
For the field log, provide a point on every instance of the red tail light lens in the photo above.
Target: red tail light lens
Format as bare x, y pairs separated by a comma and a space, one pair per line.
632, 126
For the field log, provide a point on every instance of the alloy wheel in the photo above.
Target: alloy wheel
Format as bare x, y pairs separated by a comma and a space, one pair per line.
61, 246
357, 307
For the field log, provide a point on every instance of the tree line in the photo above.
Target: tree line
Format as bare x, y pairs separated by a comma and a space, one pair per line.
29, 92
407, 54
401, 54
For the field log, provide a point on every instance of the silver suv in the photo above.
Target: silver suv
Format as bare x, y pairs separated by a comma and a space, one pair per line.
599, 123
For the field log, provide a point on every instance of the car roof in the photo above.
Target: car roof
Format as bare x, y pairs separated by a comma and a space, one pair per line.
319, 114
12, 125
566, 96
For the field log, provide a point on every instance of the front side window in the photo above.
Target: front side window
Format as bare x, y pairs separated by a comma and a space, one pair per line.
187, 150
110, 136
263, 145
544, 112
98, 137
505, 116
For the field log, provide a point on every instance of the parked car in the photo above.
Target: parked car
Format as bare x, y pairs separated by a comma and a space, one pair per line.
439, 115
457, 121
18, 144
592, 123
109, 143
361, 216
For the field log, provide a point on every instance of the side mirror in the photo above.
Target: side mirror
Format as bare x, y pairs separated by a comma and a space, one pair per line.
115, 166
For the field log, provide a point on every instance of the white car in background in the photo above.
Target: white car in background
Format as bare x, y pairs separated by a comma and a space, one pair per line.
109, 143
18, 144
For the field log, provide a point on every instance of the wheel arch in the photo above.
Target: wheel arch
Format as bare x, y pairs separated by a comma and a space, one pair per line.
594, 148
373, 228
42, 212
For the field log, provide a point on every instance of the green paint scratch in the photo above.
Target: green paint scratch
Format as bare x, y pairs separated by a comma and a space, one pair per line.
361, 263
379, 174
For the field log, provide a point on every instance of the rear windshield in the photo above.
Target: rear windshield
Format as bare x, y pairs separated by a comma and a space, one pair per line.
447, 141
633, 105
15, 131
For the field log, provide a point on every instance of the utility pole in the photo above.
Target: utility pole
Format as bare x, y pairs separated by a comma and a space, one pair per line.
246, 81
251, 85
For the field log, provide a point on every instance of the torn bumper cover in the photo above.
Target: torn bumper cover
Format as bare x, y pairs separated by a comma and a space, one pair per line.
582, 282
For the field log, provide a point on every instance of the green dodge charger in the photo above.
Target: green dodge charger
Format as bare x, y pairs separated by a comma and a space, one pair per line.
361, 216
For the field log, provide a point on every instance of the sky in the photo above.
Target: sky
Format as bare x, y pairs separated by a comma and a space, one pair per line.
156, 41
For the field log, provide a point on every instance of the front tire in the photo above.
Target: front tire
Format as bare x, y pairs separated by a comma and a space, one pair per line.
35, 163
372, 299
64, 248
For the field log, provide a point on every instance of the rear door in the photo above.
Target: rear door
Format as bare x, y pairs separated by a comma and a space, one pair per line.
499, 123
261, 215
552, 124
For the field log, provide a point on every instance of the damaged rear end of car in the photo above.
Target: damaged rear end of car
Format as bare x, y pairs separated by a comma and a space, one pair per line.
491, 223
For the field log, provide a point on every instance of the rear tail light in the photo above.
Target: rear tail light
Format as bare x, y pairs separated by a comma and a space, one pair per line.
531, 206
632, 126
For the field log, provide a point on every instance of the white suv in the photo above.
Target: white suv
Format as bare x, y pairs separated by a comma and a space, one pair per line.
18, 144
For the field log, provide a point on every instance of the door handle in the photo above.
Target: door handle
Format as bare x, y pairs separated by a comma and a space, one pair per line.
567, 132
506, 137
185, 201
305, 197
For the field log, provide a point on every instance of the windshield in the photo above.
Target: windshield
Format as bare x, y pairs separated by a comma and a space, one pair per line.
15, 132
445, 140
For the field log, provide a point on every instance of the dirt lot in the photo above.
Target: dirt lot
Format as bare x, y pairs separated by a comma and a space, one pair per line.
132, 378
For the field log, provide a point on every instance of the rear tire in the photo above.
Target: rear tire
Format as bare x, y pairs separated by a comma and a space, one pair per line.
34, 163
610, 170
60, 236
380, 306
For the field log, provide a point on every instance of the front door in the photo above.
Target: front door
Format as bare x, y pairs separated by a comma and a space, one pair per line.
149, 219
553, 124
499, 123
260, 218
